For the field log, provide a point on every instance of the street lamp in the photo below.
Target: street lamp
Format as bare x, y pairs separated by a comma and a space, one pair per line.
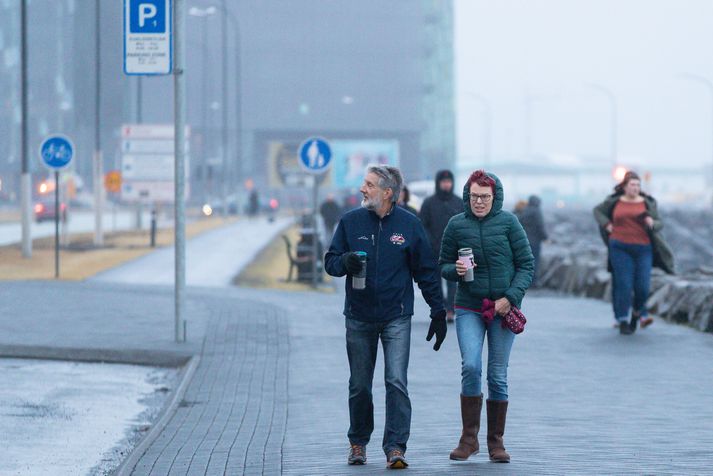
487, 125
613, 124
203, 13
705, 82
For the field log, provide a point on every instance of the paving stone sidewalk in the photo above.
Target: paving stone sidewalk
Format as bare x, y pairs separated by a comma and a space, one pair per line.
233, 416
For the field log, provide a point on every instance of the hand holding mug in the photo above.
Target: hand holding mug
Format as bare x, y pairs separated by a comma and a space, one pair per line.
460, 268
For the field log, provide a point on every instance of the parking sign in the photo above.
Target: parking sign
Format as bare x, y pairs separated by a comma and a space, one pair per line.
147, 37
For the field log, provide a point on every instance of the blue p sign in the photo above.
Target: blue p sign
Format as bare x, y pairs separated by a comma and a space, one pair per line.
147, 16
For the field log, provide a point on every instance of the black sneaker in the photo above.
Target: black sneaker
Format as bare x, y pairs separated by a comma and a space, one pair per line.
625, 328
395, 460
357, 454
634, 322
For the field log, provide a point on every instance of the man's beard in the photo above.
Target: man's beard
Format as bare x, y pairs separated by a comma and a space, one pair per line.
369, 204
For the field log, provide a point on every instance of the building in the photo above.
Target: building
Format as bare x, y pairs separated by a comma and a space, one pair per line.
374, 75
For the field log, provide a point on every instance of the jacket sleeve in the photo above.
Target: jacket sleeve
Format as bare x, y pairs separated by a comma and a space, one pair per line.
653, 211
449, 254
333, 259
601, 214
424, 270
542, 233
524, 263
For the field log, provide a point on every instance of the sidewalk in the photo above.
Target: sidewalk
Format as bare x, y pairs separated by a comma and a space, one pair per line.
268, 392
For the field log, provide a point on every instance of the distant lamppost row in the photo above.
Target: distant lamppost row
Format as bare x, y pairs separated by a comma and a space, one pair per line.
487, 125
613, 124
709, 85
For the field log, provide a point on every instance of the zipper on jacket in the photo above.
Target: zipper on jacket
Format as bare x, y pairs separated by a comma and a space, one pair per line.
372, 240
376, 276
485, 257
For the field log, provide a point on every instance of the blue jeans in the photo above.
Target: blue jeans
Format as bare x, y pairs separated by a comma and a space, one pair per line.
362, 343
631, 265
471, 332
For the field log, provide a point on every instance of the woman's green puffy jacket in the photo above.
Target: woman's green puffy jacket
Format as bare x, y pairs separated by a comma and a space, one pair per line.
504, 260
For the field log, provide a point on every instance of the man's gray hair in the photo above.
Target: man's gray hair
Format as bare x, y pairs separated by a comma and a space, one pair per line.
389, 177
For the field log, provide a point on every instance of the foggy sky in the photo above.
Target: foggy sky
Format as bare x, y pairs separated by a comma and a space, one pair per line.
550, 50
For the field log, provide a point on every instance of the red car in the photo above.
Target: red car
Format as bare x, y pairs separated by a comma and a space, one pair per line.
44, 210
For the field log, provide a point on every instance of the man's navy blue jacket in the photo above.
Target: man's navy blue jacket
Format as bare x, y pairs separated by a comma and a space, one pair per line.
398, 252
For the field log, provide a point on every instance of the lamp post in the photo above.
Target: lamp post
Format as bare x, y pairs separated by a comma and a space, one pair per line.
487, 125
25, 179
613, 123
709, 85
204, 13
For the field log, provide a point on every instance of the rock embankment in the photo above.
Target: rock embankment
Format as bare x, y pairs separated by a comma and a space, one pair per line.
574, 261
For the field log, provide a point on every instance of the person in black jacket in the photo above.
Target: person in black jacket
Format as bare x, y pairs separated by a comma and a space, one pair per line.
398, 253
435, 213
534, 224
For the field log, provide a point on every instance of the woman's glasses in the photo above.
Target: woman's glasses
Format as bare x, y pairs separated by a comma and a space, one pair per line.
484, 198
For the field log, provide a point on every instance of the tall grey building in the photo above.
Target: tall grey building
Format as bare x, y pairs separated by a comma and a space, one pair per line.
364, 74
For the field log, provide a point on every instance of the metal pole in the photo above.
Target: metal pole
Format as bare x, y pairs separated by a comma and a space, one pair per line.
56, 224
25, 179
613, 123
139, 100
709, 85
315, 236
224, 109
98, 162
179, 178
204, 113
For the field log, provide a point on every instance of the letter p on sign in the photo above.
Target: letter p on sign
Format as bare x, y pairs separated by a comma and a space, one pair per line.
147, 16
146, 12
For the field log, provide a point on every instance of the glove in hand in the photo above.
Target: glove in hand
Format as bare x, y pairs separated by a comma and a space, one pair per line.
352, 262
438, 328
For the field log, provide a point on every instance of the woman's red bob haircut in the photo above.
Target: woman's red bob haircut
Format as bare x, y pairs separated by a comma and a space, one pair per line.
482, 179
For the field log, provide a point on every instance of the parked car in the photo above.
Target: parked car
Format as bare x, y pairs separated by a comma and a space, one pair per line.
44, 210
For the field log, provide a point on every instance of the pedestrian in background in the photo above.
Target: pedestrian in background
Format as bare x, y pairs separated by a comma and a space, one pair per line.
435, 212
404, 198
397, 252
630, 226
503, 271
533, 222
329, 210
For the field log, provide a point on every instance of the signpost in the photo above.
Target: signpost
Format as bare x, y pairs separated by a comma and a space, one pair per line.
56, 152
315, 156
147, 37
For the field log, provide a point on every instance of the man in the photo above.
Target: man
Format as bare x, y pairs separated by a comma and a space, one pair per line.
534, 224
435, 213
397, 253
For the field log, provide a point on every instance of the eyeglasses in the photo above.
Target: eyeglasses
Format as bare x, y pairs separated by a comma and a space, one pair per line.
485, 198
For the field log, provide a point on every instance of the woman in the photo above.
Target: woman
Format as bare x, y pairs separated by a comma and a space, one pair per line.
503, 272
629, 223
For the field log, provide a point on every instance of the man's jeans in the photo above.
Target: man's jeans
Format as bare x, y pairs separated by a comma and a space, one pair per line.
362, 343
471, 330
631, 265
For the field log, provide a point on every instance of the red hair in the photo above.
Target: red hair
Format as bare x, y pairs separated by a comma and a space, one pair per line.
482, 179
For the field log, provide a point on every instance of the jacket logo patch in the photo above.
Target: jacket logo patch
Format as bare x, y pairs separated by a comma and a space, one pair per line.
398, 239
363, 238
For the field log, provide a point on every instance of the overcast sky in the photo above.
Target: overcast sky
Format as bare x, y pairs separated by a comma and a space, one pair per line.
551, 51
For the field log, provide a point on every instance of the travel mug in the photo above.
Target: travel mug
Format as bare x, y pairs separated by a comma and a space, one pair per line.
359, 280
465, 256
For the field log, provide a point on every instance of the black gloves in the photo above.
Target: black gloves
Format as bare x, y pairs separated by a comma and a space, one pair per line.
351, 261
439, 328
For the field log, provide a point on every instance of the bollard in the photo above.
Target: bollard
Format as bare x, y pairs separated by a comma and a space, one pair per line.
153, 228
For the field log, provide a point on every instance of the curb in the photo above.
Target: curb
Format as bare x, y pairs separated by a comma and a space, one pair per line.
114, 356
127, 466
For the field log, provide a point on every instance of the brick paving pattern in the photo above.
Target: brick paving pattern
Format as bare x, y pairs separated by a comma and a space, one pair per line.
232, 418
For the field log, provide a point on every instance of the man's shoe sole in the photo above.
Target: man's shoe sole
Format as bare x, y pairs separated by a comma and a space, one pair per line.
356, 462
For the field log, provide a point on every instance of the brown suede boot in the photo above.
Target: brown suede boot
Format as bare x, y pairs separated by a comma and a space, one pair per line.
470, 408
497, 410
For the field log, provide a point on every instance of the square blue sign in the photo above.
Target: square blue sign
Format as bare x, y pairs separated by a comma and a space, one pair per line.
147, 16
